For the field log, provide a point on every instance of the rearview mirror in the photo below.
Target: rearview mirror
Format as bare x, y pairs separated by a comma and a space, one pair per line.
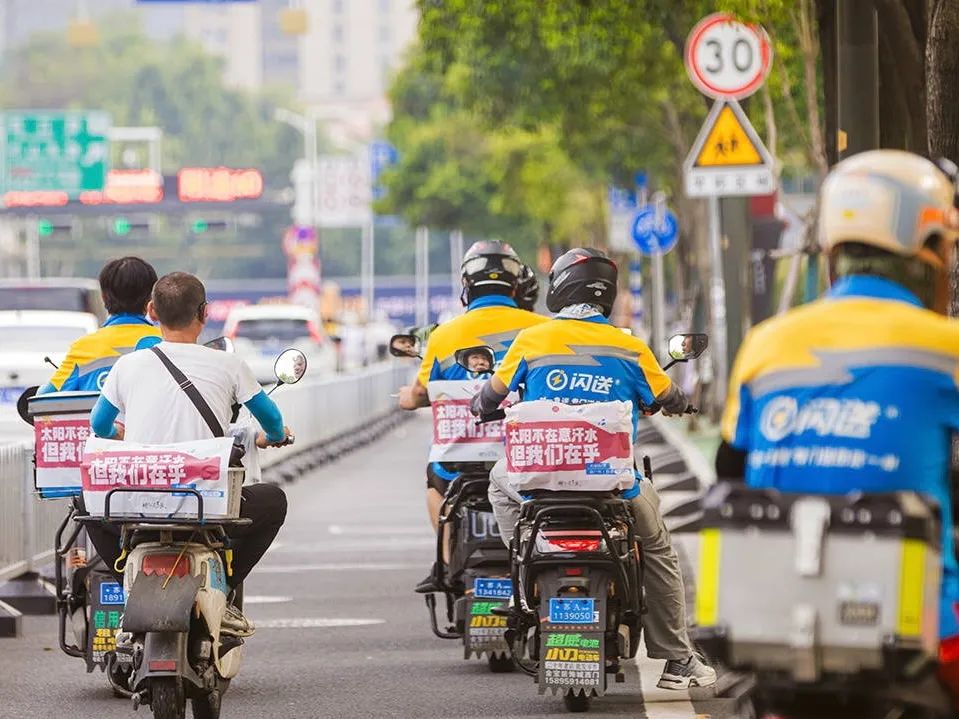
224, 344
685, 347
290, 366
405, 346
22, 404
476, 360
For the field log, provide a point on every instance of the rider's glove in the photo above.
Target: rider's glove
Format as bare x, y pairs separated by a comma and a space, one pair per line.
485, 401
673, 400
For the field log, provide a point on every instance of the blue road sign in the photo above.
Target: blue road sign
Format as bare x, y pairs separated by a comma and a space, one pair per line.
650, 237
382, 156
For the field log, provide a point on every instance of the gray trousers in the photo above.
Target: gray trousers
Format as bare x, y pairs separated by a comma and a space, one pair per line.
664, 623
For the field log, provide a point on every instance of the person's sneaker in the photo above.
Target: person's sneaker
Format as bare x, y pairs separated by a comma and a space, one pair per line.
693, 672
234, 624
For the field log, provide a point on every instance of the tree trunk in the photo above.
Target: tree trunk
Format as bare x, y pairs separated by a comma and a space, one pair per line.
942, 71
809, 45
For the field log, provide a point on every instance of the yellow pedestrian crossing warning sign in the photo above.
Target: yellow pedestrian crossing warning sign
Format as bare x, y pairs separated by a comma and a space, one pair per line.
728, 143
728, 158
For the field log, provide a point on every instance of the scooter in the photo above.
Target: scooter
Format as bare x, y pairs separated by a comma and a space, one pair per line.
163, 631
88, 599
475, 574
577, 582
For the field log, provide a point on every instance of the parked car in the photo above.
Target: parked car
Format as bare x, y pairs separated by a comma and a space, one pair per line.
261, 332
28, 337
67, 294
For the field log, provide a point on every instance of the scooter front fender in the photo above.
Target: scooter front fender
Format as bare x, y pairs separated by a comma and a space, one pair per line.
153, 607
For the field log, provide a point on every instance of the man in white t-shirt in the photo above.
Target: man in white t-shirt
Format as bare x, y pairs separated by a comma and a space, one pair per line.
157, 410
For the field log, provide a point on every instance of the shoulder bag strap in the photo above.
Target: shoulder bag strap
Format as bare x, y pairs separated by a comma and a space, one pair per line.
192, 392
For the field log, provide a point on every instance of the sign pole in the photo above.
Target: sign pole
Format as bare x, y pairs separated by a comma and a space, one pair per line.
367, 274
636, 289
456, 258
422, 276
659, 303
717, 296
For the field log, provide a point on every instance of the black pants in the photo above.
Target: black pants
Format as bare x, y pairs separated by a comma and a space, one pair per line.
265, 504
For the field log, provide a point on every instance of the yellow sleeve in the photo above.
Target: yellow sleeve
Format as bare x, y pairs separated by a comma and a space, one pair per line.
656, 377
512, 369
429, 359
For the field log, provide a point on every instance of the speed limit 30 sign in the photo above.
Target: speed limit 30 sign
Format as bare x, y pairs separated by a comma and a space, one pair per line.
727, 59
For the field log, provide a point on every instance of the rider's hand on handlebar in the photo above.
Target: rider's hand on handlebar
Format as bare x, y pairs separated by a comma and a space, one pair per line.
262, 442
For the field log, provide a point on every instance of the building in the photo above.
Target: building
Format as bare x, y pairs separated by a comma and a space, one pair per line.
346, 59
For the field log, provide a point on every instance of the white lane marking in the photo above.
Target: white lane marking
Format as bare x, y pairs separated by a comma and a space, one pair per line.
265, 599
351, 545
312, 622
333, 567
376, 529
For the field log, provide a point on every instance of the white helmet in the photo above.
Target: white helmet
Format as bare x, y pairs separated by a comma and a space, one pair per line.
897, 202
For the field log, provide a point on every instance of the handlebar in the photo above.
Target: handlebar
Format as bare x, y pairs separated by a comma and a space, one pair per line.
651, 409
493, 416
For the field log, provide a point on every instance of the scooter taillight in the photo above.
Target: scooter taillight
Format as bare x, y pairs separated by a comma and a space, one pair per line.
573, 541
163, 565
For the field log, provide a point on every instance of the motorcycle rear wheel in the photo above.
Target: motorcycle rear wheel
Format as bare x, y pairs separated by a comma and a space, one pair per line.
576, 702
166, 698
207, 707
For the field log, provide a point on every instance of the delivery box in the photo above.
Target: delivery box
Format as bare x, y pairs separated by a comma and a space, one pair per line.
61, 426
456, 435
564, 447
202, 465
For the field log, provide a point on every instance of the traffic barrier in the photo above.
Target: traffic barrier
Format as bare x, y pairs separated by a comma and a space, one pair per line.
329, 416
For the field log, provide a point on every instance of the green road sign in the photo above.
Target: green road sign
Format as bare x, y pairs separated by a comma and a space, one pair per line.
199, 227
54, 150
44, 228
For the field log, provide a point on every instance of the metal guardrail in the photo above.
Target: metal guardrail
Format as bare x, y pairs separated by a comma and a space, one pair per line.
329, 416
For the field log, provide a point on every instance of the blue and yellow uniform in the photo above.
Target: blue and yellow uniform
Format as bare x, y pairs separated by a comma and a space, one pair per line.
91, 357
578, 361
857, 391
494, 321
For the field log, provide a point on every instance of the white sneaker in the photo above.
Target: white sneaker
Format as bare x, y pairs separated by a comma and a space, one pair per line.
234, 624
693, 672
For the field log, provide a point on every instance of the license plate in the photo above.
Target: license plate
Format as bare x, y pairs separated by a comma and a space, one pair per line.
493, 588
10, 395
573, 611
112, 593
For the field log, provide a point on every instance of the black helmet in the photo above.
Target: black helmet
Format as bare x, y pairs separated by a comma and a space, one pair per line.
582, 275
527, 291
489, 267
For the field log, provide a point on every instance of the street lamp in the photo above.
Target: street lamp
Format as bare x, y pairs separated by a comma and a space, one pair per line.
305, 125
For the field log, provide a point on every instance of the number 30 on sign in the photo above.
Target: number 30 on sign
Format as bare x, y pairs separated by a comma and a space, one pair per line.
727, 59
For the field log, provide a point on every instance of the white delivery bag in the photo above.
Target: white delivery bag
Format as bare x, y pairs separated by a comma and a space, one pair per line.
569, 447
202, 465
456, 435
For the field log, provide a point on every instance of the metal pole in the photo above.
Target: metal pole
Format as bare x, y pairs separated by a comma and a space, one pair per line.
33, 248
367, 274
422, 276
636, 290
309, 138
717, 296
659, 304
857, 34
456, 259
